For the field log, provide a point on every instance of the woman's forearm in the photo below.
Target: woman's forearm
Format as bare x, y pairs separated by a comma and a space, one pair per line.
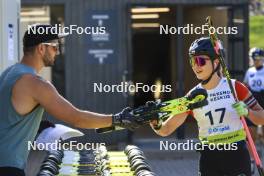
256, 116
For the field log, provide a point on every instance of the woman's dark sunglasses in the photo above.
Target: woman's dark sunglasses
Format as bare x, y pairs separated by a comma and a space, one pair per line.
198, 60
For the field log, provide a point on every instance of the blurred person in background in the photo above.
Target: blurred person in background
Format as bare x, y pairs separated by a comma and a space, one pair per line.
254, 80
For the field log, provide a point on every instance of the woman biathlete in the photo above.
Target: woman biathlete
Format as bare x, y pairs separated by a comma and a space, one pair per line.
219, 121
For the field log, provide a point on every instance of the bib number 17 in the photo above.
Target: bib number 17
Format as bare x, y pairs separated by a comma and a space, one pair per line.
222, 115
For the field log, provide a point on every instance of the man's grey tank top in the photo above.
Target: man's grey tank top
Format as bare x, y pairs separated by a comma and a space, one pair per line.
16, 131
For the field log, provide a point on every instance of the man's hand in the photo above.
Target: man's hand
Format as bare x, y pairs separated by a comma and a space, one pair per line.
155, 124
241, 108
125, 119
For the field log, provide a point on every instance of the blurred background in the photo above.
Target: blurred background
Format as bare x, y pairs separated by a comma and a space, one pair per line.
137, 53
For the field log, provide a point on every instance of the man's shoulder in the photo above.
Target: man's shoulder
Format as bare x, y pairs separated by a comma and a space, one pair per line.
31, 79
35, 87
32, 82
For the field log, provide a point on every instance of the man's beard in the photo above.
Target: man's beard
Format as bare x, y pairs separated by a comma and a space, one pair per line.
47, 59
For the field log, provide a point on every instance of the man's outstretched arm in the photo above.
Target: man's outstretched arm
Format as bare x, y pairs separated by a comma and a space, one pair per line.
47, 96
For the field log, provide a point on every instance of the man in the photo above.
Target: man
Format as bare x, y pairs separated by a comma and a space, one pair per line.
24, 96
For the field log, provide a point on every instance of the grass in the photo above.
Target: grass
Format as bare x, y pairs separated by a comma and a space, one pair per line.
256, 29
